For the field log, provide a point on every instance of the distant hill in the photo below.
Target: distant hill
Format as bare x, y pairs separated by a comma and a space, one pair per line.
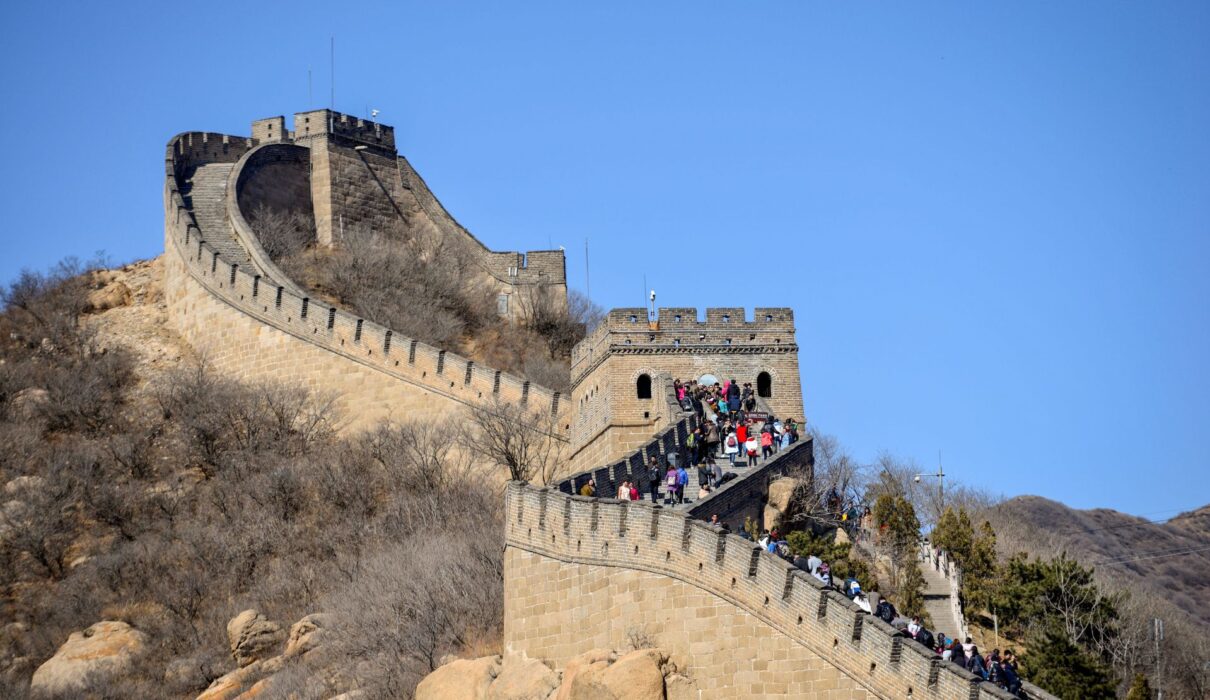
1125, 550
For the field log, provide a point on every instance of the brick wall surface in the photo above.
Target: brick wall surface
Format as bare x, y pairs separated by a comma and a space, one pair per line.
607, 415
254, 329
580, 573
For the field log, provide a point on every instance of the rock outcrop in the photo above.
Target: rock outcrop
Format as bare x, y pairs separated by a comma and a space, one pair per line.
307, 634
104, 650
777, 505
253, 637
529, 679
463, 678
644, 674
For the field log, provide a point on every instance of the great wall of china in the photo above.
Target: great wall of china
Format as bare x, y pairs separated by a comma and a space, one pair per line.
579, 572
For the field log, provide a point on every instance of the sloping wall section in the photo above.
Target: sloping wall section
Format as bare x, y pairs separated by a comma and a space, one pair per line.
583, 573
239, 312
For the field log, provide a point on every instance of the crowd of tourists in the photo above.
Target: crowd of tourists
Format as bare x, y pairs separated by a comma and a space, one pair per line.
728, 428
995, 666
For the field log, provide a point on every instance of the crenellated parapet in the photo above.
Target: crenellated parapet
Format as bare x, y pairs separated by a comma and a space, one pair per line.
632, 552
625, 353
250, 322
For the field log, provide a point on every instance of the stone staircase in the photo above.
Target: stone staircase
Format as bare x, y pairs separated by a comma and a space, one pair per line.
937, 602
206, 194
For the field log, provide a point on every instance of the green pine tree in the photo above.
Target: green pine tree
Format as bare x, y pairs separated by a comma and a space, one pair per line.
1140, 689
911, 593
980, 573
1061, 668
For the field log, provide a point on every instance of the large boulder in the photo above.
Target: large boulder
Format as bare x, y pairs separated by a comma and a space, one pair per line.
679, 687
781, 491
308, 633
586, 663
253, 637
102, 651
777, 505
634, 676
528, 679
463, 679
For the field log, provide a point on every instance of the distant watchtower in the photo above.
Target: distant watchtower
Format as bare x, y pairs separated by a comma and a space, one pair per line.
621, 374
358, 181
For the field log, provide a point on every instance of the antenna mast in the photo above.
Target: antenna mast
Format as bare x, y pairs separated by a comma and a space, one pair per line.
587, 277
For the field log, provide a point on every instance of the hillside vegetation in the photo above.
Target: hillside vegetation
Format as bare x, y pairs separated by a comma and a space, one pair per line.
142, 491
431, 290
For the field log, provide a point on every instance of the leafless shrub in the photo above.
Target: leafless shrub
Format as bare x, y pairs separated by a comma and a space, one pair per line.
639, 638
281, 233
515, 437
834, 484
414, 603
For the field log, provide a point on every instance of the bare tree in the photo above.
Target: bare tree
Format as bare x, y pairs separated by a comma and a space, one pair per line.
282, 233
515, 437
835, 485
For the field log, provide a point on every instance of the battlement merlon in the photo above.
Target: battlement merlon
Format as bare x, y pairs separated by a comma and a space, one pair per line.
343, 129
678, 329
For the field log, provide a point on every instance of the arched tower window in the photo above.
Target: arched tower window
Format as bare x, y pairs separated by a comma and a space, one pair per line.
643, 386
764, 385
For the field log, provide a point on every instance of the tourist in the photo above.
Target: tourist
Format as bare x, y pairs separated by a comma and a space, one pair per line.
712, 440
752, 447
914, 627
703, 474
957, 653
653, 476
624, 491
714, 519
766, 444
682, 481
975, 663
589, 488
670, 479
634, 491
731, 447
886, 612
703, 491
733, 396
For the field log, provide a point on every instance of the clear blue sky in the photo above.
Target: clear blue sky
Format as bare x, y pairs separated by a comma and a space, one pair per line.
992, 219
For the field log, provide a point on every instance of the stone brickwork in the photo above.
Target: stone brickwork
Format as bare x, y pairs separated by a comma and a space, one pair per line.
580, 573
251, 324
359, 181
608, 418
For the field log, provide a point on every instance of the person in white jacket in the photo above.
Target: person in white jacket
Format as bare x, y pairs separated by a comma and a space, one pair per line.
731, 446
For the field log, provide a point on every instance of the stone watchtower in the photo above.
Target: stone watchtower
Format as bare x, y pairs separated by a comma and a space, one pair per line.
621, 374
358, 180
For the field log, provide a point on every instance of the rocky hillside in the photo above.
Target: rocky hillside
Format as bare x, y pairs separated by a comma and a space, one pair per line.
1127, 551
169, 533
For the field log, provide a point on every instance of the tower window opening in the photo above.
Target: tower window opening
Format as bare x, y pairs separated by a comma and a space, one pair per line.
643, 386
764, 385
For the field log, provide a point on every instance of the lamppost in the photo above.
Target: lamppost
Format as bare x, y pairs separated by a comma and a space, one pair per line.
940, 476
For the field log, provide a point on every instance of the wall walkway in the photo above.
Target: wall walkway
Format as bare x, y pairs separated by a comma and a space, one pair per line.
581, 572
251, 327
